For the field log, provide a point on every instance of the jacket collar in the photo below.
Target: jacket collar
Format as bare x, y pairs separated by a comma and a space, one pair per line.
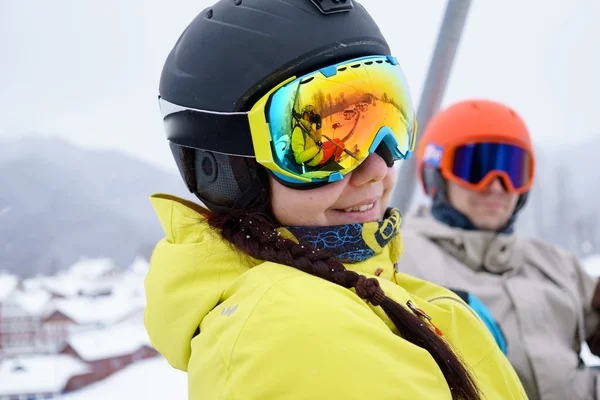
479, 250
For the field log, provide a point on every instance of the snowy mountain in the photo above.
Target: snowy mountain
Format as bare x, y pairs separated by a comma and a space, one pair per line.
59, 203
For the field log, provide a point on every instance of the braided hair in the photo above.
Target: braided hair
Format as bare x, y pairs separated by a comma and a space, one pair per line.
255, 235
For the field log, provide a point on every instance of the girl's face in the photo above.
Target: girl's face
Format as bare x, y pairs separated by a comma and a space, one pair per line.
362, 196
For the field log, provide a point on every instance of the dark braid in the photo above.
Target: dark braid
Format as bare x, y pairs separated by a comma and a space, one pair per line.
255, 235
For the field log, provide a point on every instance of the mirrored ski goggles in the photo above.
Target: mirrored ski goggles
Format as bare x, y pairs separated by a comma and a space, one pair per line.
321, 126
476, 165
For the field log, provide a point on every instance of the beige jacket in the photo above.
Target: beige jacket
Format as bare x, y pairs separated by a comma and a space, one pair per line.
539, 295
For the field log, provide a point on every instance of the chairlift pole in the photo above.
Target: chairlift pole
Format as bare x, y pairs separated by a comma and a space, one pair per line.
433, 93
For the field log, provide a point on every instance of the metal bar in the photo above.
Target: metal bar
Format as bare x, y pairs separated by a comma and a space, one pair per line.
433, 93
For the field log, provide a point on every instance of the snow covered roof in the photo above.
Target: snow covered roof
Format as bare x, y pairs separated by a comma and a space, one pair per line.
8, 284
130, 285
139, 266
33, 302
92, 268
592, 265
111, 342
38, 374
151, 379
62, 285
72, 286
36, 283
103, 310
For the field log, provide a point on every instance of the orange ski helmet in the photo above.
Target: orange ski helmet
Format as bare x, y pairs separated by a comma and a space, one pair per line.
474, 142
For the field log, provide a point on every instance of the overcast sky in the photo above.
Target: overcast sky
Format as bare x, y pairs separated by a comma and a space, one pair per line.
88, 70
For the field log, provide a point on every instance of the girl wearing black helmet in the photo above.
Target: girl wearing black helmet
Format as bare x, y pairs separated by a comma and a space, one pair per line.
286, 287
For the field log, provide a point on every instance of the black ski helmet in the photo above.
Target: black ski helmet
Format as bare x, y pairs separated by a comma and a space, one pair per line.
229, 56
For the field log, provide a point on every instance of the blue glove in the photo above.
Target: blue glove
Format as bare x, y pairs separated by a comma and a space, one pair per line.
485, 315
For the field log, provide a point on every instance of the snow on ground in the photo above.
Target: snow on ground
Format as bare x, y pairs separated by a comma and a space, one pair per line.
38, 374
152, 379
592, 265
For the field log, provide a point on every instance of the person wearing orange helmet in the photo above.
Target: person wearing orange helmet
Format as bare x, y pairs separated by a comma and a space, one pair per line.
476, 162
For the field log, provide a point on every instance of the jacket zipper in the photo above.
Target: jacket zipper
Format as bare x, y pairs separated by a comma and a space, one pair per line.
420, 313
455, 300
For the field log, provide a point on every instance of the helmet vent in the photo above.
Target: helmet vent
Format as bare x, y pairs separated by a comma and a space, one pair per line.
333, 6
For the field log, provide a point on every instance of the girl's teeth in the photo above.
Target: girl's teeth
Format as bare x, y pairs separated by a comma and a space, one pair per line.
359, 208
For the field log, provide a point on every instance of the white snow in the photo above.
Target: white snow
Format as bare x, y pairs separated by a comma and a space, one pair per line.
86, 277
103, 311
592, 265
111, 342
131, 285
38, 374
32, 302
92, 268
8, 283
36, 283
152, 379
63, 285
139, 266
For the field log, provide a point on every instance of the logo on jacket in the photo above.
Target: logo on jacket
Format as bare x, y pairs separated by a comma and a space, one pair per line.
226, 312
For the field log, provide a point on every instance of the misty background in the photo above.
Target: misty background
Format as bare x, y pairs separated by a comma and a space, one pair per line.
82, 145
